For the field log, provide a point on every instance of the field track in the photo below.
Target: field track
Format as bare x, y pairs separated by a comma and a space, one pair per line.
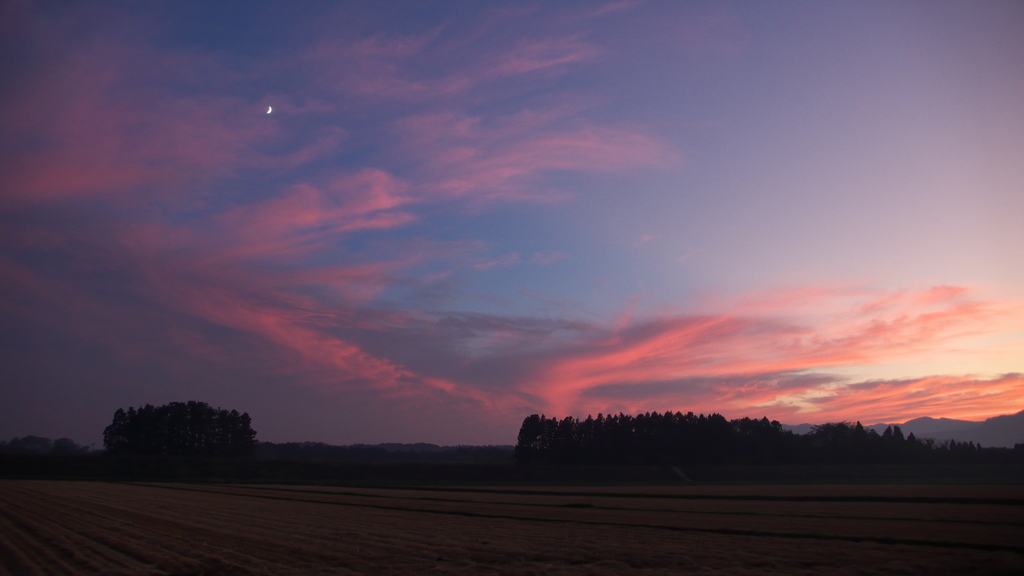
50, 527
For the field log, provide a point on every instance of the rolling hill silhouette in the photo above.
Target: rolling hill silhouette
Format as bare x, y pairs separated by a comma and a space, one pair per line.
998, 431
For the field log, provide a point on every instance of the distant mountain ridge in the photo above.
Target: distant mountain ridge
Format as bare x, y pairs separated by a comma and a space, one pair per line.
996, 432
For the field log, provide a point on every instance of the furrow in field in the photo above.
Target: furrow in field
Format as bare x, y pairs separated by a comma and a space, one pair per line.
296, 529
76, 548
826, 528
57, 529
144, 543
376, 528
33, 550
178, 526
1005, 495
181, 509
878, 527
377, 537
980, 514
17, 554
327, 535
110, 539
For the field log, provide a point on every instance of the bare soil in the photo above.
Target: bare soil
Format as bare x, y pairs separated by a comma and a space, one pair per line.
67, 528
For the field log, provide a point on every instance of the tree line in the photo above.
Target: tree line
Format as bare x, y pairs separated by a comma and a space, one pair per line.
179, 429
42, 445
383, 453
677, 439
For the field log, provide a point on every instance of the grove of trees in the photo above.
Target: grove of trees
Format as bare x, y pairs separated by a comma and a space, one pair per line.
180, 429
42, 445
677, 439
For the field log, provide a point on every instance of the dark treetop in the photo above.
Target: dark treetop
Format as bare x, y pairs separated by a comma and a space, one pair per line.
686, 439
180, 429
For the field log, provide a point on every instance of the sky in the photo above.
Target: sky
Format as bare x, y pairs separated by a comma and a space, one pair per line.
371, 222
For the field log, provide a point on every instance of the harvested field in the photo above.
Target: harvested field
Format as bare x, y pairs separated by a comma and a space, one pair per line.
50, 527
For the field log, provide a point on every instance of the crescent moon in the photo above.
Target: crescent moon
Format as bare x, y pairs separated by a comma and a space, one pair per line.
270, 109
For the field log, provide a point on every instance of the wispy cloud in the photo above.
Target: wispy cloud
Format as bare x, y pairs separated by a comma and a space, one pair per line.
797, 397
614, 7
325, 326
538, 55
109, 116
514, 258
305, 217
464, 157
874, 329
969, 397
156, 223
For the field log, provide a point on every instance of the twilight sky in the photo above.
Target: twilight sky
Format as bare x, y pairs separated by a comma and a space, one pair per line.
462, 213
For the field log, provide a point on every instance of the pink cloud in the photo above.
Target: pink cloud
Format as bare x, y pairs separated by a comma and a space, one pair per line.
762, 358
548, 258
285, 329
905, 327
463, 157
378, 68
545, 54
296, 336
304, 217
514, 258
797, 398
394, 68
133, 291
268, 262
109, 116
311, 351
614, 7
507, 260
966, 397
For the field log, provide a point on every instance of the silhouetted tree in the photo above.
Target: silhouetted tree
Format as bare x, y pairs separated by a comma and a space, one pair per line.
180, 429
677, 439
65, 446
651, 438
40, 445
28, 445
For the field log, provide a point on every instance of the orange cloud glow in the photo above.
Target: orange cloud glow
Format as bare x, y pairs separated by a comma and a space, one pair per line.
742, 356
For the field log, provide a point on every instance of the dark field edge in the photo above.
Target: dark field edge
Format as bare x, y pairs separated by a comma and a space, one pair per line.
317, 472
748, 497
600, 507
887, 499
720, 531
